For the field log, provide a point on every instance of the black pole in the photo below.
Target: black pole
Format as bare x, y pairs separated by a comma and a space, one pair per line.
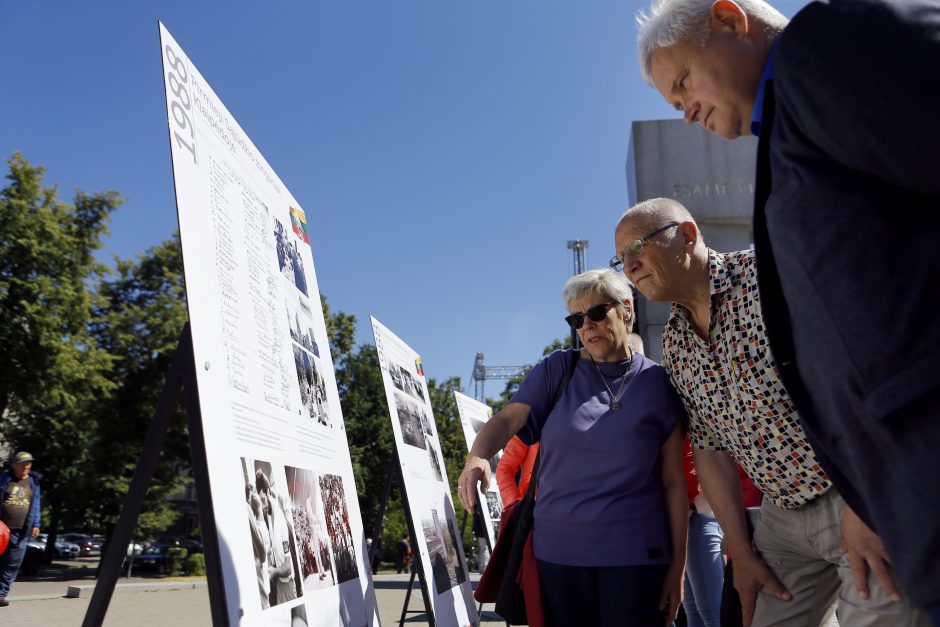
416, 564
114, 552
207, 528
380, 515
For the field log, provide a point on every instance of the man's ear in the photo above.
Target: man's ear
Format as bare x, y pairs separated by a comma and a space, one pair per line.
690, 233
728, 17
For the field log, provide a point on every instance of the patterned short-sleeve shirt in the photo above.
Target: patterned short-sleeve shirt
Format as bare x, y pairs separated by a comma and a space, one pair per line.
732, 391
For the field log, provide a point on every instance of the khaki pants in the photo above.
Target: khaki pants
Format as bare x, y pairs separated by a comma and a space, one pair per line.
802, 548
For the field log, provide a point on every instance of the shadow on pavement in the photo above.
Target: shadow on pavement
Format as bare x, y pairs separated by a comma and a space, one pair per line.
61, 570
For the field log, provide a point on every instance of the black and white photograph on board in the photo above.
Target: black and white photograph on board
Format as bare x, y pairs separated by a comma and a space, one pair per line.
313, 539
312, 386
446, 563
337, 525
300, 321
426, 425
271, 526
406, 382
436, 469
289, 260
394, 373
410, 417
495, 508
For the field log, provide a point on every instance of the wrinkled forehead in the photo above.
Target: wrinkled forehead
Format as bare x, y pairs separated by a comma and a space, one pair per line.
667, 65
585, 302
632, 228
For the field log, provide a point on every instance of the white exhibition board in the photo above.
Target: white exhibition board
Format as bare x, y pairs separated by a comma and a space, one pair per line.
283, 493
473, 415
430, 505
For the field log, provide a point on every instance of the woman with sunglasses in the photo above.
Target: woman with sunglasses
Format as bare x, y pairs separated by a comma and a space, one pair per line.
611, 513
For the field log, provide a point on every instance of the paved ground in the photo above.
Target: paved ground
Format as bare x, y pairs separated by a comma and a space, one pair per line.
156, 602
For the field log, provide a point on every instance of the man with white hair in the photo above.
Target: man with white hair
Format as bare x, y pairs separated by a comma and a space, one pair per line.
847, 203
715, 351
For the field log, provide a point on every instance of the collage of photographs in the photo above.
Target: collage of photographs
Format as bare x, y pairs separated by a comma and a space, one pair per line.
439, 554
473, 415
444, 549
299, 314
417, 430
301, 535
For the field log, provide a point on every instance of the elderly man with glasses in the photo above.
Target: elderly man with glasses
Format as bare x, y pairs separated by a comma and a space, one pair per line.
716, 353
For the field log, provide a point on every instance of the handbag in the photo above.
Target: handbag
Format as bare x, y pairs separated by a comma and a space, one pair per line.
4, 536
511, 577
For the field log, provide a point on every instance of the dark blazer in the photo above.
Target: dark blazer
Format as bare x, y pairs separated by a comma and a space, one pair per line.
846, 230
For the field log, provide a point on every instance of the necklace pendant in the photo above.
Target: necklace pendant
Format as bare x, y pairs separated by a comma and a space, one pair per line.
615, 405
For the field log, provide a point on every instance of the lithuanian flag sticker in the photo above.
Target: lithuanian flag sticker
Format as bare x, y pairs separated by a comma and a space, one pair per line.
298, 222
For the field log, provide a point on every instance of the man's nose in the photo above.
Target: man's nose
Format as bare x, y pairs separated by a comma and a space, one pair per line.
691, 112
630, 265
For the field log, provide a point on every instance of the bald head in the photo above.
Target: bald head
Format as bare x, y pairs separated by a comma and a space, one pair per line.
661, 249
655, 212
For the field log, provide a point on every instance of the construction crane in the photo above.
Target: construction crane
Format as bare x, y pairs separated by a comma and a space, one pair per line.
482, 373
578, 247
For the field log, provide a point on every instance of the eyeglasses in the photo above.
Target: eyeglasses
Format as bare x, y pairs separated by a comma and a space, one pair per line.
635, 247
595, 313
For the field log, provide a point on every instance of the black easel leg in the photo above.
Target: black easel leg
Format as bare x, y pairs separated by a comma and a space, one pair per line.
404, 609
380, 515
114, 553
197, 446
417, 566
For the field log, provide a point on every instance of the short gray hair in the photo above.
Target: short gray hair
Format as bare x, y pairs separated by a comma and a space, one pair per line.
613, 286
659, 212
669, 22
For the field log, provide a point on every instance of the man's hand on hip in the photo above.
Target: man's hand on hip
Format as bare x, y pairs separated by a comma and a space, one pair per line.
750, 575
866, 552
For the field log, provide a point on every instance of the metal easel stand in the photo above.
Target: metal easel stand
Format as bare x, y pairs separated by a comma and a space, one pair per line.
181, 375
417, 566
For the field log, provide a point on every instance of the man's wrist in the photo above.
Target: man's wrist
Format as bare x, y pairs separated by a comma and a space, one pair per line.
741, 551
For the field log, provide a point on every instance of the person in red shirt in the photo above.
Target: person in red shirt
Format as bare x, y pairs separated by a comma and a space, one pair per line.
518, 459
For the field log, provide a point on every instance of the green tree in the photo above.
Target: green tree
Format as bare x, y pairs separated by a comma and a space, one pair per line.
53, 372
139, 323
368, 427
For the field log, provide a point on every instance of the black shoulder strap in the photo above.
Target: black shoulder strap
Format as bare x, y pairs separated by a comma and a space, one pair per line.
569, 370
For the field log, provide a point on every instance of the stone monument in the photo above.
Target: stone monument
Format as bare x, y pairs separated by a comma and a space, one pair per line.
711, 176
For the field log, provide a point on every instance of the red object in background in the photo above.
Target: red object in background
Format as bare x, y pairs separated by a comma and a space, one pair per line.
4, 536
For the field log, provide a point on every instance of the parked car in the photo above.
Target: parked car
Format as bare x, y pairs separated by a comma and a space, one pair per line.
63, 549
88, 546
192, 545
152, 558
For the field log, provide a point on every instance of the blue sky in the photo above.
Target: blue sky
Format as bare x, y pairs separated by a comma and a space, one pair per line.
444, 152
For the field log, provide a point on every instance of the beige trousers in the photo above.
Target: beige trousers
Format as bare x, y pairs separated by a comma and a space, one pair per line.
802, 548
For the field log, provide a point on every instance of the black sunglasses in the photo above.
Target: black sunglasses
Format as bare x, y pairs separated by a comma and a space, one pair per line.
595, 313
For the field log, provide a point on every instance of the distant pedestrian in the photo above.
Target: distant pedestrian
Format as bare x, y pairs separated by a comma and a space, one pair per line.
375, 550
403, 554
19, 509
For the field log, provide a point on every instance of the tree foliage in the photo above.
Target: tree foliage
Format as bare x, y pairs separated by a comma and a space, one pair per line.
53, 373
142, 316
